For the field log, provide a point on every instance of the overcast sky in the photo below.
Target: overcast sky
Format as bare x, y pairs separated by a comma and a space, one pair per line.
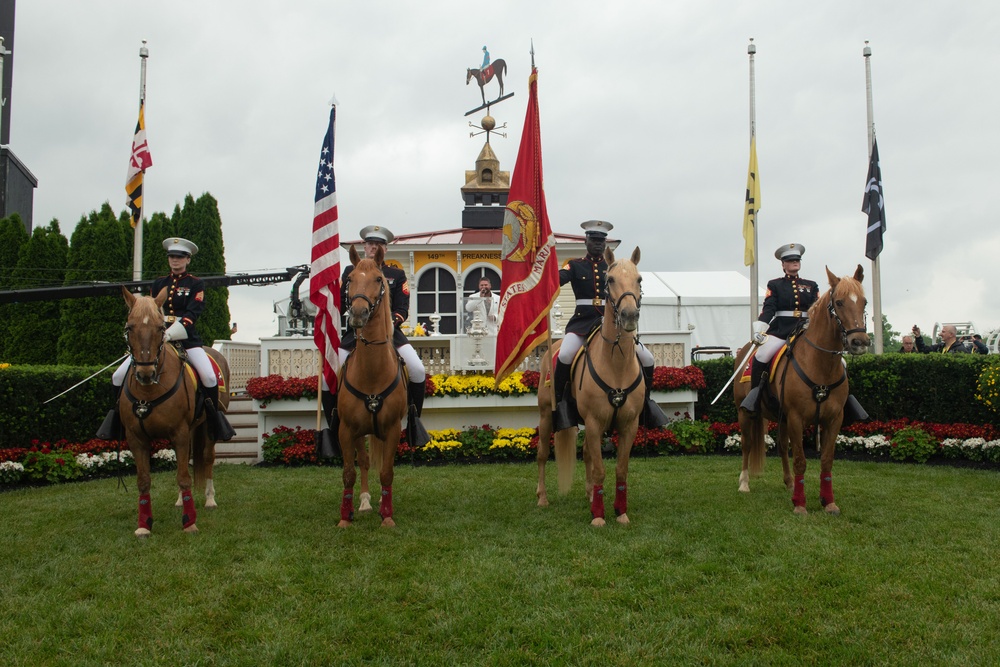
644, 114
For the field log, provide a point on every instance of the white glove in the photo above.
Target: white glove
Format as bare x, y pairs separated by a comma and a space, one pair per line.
759, 332
175, 331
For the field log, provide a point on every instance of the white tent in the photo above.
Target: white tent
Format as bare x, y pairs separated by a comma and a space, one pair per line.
713, 305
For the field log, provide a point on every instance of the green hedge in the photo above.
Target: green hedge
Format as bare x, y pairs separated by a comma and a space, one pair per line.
75, 416
939, 388
933, 388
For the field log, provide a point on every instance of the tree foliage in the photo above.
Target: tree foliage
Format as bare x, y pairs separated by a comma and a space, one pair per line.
100, 250
13, 235
33, 331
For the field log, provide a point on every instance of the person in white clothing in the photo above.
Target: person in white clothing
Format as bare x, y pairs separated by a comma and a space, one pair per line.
486, 303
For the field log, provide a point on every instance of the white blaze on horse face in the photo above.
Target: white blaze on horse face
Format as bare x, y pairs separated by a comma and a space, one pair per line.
145, 320
854, 298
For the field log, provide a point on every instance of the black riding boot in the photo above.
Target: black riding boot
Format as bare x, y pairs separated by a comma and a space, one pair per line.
111, 427
219, 427
853, 412
562, 416
752, 402
417, 434
328, 439
652, 415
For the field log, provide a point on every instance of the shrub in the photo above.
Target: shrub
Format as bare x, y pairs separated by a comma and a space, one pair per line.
693, 436
988, 387
913, 443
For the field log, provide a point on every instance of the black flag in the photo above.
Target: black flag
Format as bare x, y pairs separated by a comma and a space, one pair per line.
874, 206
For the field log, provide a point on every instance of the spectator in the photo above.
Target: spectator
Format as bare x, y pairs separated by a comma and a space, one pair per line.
908, 344
949, 341
977, 345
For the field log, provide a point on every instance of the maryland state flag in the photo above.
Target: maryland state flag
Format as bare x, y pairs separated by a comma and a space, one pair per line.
752, 205
530, 280
138, 162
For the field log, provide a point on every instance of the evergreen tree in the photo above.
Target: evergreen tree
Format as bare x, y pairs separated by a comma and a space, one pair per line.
154, 259
33, 328
199, 221
100, 250
13, 235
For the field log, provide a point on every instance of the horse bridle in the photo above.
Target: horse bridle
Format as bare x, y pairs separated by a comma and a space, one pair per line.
844, 331
615, 305
372, 308
156, 360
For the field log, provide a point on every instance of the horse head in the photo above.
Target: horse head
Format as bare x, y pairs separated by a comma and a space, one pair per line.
847, 308
144, 331
366, 288
468, 75
623, 289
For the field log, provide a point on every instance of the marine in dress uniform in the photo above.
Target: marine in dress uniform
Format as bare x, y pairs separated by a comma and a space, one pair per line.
587, 275
184, 303
786, 308
398, 293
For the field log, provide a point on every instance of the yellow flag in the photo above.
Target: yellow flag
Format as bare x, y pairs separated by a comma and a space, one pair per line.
752, 204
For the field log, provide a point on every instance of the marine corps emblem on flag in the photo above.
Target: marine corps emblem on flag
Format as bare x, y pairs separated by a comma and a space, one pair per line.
520, 232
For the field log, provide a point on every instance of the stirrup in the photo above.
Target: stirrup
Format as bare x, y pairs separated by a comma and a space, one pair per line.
652, 415
415, 431
853, 412
752, 401
218, 426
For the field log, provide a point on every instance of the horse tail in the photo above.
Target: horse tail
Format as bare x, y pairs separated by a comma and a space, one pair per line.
755, 445
503, 66
376, 450
565, 450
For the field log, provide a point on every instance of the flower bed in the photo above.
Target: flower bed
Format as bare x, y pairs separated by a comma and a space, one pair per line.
899, 440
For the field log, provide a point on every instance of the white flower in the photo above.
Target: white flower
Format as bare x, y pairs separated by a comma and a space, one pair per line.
11, 466
165, 455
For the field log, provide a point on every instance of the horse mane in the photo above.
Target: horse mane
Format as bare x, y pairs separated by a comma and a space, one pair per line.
145, 309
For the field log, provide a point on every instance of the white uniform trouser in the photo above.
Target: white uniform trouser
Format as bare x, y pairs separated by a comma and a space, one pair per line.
196, 355
414, 367
769, 348
572, 343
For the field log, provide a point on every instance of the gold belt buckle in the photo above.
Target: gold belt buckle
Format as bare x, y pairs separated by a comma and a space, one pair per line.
797, 313
170, 319
598, 302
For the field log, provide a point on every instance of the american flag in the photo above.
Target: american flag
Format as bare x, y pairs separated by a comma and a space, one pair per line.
138, 163
324, 276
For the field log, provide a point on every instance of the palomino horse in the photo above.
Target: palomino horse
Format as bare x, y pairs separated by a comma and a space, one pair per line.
158, 402
372, 397
810, 384
607, 385
497, 68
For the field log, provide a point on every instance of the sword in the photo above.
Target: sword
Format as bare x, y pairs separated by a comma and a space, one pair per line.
739, 371
116, 361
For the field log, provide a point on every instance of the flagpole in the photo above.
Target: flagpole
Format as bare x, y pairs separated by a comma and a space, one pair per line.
876, 274
137, 245
754, 307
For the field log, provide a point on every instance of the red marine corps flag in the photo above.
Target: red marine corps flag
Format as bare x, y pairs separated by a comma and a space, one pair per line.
530, 278
324, 275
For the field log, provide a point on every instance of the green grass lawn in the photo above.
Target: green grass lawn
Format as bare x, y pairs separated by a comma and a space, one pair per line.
475, 573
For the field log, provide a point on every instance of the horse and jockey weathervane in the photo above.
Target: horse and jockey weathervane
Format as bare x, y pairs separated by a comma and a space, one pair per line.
483, 76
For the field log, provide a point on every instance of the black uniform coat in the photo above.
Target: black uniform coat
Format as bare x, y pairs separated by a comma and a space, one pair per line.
787, 294
398, 293
587, 276
185, 301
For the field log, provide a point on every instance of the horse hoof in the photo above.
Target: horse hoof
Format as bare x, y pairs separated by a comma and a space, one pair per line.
599, 522
744, 488
832, 509
193, 528
800, 509
210, 504
388, 522
344, 524
623, 519
543, 502
366, 503
142, 532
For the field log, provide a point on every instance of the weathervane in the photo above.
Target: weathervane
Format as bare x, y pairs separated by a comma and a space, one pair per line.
483, 76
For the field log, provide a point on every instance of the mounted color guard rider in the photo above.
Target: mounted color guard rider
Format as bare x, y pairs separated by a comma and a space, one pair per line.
785, 310
185, 301
587, 276
399, 299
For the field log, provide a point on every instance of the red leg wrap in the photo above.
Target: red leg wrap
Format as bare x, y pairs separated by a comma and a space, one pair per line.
597, 504
826, 489
799, 492
145, 512
385, 507
187, 500
347, 505
621, 499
